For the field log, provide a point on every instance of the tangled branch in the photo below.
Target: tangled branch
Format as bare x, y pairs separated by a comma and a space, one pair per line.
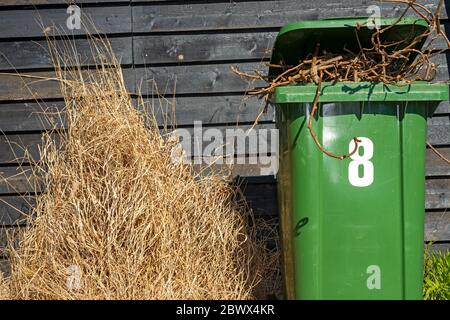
391, 62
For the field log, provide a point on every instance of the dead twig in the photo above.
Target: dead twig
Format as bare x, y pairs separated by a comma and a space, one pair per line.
396, 62
440, 155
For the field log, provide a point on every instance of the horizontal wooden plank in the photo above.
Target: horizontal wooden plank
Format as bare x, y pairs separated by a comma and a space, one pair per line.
437, 193
250, 14
442, 71
18, 180
164, 80
439, 130
14, 180
226, 109
153, 49
5, 268
52, 2
437, 226
23, 147
202, 47
205, 78
434, 165
15, 210
15, 87
238, 108
439, 247
194, 79
35, 54
223, 109
30, 116
443, 109
438, 134
7, 236
33, 23
20, 148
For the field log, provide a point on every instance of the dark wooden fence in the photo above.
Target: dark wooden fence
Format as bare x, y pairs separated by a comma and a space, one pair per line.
188, 43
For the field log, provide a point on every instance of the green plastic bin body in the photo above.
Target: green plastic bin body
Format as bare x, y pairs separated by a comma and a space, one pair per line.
353, 228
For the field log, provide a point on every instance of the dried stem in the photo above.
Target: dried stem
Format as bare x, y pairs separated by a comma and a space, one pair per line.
440, 155
391, 62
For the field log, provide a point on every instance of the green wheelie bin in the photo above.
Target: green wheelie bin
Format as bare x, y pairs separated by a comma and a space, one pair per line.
351, 228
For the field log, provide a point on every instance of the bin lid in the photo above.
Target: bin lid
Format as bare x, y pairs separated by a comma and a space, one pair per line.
296, 40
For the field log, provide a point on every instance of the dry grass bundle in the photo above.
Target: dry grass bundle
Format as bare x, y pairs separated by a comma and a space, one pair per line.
119, 219
4, 288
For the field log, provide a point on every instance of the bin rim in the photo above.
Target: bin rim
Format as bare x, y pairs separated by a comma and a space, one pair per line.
347, 22
361, 91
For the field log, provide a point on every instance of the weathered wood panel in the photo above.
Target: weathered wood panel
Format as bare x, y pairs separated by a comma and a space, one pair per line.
210, 109
35, 54
14, 210
250, 14
440, 247
206, 78
18, 180
437, 226
434, 165
238, 108
219, 46
15, 148
30, 116
38, 85
53, 2
443, 109
15, 87
195, 79
202, 47
437, 193
19, 148
33, 23
4, 267
439, 130
23, 147
164, 80
8, 236
222, 109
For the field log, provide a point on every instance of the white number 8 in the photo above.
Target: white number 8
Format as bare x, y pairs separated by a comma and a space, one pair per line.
364, 160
